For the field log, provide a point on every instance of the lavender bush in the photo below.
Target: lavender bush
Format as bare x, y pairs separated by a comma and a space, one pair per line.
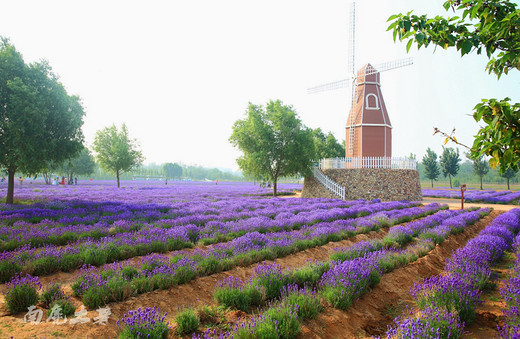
143, 323
22, 292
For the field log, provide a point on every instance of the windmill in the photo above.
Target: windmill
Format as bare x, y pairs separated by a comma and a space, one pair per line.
368, 130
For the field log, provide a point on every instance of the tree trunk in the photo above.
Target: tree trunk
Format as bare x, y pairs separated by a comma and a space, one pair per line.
449, 175
274, 187
508, 184
10, 186
481, 183
432, 183
117, 174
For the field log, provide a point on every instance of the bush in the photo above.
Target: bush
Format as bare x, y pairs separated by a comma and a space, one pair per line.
143, 323
22, 292
51, 294
65, 306
231, 292
305, 301
187, 322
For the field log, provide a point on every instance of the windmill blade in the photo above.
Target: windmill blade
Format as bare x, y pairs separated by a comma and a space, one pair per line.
386, 66
329, 87
352, 38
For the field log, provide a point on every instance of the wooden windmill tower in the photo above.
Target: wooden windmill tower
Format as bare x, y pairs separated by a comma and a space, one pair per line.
368, 130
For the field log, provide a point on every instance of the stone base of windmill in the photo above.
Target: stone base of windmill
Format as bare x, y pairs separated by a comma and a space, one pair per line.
368, 183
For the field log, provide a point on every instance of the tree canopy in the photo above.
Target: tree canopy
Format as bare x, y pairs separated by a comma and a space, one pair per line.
431, 167
274, 143
326, 146
116, 151
480, 168
486, 27
39, 122
83, 164
172, 171
449, 162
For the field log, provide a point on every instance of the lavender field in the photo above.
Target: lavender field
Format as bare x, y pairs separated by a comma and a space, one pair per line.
487, 196
202, 252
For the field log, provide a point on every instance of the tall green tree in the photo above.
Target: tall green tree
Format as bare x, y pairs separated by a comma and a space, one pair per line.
83, 164
172, 171
39, 122
480, 168
326, 145
449, 162
431, 167
274, 143
116, 151
508, 174
485, 27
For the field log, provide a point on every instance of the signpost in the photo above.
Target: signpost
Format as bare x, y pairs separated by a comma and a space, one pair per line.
462, 190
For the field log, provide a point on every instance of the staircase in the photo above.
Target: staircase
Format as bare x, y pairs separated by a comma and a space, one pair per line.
332, 186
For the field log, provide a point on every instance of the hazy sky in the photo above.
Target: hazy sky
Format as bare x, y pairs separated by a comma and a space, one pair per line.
179, 73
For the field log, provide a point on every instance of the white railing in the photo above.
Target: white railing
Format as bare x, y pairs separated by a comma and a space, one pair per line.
329, 184
369, 162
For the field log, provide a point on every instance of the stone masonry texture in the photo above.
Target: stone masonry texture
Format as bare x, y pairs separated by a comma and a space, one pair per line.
368, 183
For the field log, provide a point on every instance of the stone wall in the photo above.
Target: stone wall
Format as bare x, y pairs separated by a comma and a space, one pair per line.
368, 183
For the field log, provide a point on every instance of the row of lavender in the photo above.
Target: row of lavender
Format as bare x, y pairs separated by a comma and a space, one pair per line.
448, 302
293, 295
488, 196
42, 224
511, 294
166, 235
144, 191
118, 281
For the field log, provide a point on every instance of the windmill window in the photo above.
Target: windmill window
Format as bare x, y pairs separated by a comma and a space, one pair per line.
371, 101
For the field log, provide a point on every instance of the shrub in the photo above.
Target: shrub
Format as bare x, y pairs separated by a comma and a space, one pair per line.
305, 301
22, 292
51, 294
271, 279
96, 297
309, 274
143, 323
65, 306
432, 322
187, 322
231, 292
451, 293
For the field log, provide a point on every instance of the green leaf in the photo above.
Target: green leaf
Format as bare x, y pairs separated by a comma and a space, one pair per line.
408, 45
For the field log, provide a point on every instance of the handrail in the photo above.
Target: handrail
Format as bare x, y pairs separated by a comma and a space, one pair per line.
369, 162
329, 184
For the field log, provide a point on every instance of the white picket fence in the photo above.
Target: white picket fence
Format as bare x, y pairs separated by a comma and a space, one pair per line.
329, 184
369, 162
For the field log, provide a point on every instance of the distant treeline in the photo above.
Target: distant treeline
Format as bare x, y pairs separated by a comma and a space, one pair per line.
465, 175
157, 171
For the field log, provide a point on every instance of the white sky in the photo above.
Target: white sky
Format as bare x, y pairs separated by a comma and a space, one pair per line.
180, 73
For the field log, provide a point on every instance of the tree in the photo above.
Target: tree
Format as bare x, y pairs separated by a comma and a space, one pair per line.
172, 170
480, 168
508, 174
116, 152
274, 143
83, 164
39, 122
490, 27
431, 167
449, 162
326, 146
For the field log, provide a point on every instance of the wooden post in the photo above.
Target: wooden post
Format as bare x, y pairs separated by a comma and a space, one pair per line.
462, 190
